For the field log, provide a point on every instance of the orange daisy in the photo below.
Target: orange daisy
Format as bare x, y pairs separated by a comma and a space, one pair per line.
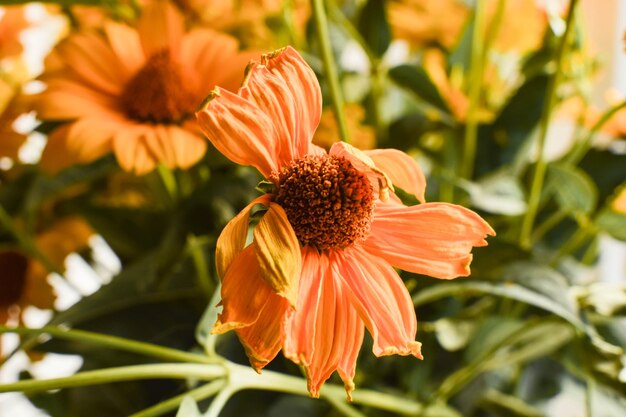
133, 91
12, 23
320, 267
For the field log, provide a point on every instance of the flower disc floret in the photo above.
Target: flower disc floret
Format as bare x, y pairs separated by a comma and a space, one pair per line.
328, 202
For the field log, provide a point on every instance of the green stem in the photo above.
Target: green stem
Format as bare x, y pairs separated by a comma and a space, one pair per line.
554, 219
115, 342
583, 146
199, 261
321, 25
550, 102
475, 84
123, 373
198, 394
169, 181
242, 377
579, 237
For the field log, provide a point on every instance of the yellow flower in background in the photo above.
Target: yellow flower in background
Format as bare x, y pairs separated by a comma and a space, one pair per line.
12, 105
426, 23
361, 136
132, 91
619, 204
251, 21
24, 280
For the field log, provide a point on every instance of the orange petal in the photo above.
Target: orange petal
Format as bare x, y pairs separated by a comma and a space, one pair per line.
240, 130
160, 27
188, 147
300, 79
66, 99
382, 300
324, 332
89, 56
126, 44
278, 252
233, 237
402, 169
90, 138
131, 151
264, 338
245, 294
432, 238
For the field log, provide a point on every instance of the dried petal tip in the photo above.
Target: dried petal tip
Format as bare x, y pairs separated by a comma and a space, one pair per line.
270, 55
412, 348
205, 103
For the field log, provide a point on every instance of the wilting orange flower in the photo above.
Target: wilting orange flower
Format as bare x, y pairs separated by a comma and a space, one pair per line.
320, 267
24, 280
134, 91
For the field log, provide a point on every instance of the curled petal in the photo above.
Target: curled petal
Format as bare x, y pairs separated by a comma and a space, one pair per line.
245, 294
324, 332
380, 181
300, 79
381, 299
402, 169
435, 239
233, 237
240, 130
278, 252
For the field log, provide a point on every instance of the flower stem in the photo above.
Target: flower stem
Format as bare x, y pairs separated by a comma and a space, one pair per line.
323, 37
475, 84
171, 404
143, 348
194, 246
550, 102
583, 146
122, 373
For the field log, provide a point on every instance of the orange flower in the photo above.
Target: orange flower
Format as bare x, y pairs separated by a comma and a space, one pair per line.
24, 280
320, 267
134, 91
12, 22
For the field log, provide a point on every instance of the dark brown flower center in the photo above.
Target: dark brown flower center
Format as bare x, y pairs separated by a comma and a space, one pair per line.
328, 202
157, 93
13, 266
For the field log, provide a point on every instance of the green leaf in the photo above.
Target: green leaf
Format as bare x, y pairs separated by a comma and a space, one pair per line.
374, 27
498, 193
574, 191
503, 404
45, 187
188, 408
417, 80
613, 223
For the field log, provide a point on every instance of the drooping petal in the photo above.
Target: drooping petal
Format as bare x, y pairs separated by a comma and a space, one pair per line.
244, 294
435, 239
160, 27
233, 237
402, 169
264, 338
300, 79
324, 332
382, 300
188, 147
278, 252
132, 152
239, 130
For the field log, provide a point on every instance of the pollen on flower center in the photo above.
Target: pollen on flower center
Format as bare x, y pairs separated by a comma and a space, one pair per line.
328, 202
13, 277
157, 93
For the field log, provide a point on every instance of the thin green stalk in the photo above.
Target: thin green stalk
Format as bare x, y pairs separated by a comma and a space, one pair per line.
554, 219
344, 408
475, 84
321, 25
143, 348
583, 146
199, 261
122, 373
198, 394
578, 238
550, 102
169, 181
243, 377
219, 402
